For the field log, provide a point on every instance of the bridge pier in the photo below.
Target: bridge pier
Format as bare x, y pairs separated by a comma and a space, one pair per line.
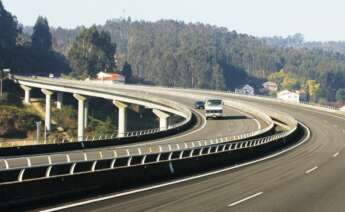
47, 122
86, 113
27, 94
122, 122
81, 115
163, 119
59, 100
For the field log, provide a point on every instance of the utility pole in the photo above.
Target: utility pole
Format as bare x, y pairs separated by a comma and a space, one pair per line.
3, 74
45, 133
38, 128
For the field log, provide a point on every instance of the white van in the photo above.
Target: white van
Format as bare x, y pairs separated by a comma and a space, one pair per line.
214, 108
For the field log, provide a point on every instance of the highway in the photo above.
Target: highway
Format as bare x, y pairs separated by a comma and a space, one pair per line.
308, 178
234, 123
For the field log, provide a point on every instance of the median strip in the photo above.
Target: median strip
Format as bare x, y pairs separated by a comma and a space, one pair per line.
245, 199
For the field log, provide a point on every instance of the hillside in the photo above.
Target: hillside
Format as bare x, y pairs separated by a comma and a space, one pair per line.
174, 53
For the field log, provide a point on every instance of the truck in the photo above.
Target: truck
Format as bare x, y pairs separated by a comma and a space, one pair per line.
214, 108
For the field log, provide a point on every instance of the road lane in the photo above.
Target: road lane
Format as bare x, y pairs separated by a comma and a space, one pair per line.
283, 180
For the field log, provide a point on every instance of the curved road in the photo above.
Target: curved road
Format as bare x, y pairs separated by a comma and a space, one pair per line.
308, 178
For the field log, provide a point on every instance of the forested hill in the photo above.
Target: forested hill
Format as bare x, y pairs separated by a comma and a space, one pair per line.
174, 53
297, 41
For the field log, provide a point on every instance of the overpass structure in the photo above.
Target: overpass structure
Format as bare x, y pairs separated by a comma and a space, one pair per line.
200, 150
162, 108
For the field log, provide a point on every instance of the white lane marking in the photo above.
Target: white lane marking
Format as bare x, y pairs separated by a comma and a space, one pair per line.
181, 180
248, 115
245, 199
311, 170
343, 131
336, 154
147, 143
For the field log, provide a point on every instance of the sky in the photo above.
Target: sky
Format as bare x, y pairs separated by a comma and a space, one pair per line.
317, 20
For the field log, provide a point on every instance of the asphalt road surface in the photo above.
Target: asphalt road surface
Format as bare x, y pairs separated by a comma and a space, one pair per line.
308, 178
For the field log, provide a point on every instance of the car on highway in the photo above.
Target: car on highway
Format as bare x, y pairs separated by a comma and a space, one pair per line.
214, 108
199, 105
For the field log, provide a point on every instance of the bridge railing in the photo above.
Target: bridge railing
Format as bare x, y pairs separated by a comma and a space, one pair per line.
183, 111
326, 108
64, 164
91, 138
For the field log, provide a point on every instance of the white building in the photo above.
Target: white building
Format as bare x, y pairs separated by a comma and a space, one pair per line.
270, 86
342, 109
246, 90
289, 96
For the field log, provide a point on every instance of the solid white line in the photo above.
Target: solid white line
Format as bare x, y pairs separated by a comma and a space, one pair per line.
336, 154
311, 170
245, 199
181, 180
258, 124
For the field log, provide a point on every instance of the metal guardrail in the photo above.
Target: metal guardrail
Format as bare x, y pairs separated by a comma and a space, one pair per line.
175, 105
238, 105
261, 97
91, 138
105, 161
187, 114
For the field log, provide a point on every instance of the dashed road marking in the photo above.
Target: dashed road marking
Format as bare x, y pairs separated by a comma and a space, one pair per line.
71, 205
336, 154
311, 170
245, 199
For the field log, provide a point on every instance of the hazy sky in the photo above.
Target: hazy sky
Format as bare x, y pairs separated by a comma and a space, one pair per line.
316, 19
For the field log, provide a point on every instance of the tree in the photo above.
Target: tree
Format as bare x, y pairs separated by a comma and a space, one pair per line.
340, 95
8, 29
278, 77
41, 36
91, 52
127, 71
312, 88
290, 83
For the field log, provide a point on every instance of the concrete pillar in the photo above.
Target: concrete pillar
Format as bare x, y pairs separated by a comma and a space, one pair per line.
122, 123
86, 113
27, 94
81, 110
59, 100
163, 119
47, 122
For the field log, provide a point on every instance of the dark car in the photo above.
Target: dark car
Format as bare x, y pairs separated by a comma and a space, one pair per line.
199, 105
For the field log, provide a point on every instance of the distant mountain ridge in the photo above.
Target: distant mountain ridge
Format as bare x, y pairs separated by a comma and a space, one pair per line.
174, 53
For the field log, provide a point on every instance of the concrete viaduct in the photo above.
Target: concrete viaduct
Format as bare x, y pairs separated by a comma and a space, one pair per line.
81, 94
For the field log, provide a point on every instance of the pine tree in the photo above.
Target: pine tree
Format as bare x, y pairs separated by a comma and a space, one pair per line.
41, 36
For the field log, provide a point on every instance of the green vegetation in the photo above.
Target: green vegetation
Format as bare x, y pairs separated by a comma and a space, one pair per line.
173, 53
340, 96
91, 52
41, 36
17, 122
26, 55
